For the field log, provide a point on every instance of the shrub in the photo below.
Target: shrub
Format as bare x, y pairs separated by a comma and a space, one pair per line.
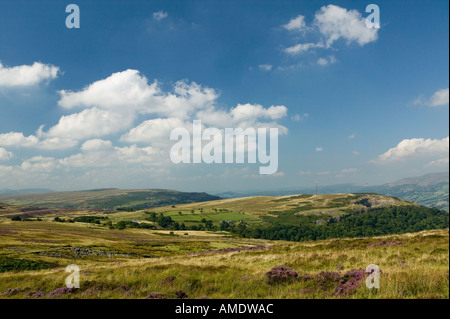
350, 282
280, 274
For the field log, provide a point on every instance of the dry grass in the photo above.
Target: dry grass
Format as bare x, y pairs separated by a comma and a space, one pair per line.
140, 260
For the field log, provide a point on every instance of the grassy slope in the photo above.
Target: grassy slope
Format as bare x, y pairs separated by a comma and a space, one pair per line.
106, 198
140, 260
132, 263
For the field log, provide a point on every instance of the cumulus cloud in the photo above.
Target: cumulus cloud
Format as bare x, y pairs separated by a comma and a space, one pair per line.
413, 148
5, 155
339, 23
439, 98
244, 116
17, 139
331, 23
102, 153
27, 75
319, 149
143, 114
296, 24
90, 123
39, 164
155, 130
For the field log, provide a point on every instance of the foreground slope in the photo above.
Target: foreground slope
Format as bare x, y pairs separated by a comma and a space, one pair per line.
136, 263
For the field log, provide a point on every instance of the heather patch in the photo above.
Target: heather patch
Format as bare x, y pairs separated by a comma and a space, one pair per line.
280, 274
60, 292
350, 282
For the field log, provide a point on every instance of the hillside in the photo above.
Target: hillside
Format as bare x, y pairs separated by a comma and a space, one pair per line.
430, 190
107, 199
225, 248
137, 263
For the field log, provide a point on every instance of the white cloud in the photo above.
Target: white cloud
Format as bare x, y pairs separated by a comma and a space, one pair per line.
265, 67
331, 23
443, 162
319, 149
160, 15
439, 98
17, 139
152, 131
244, 115
302, 47
122, 91
327, 60
416, 147
90, 123
335, 23
355, 153
27, 75
39, 164
102, 153
296, 24
5, 155
352, 136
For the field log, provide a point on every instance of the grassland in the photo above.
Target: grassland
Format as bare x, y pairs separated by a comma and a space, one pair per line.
106, 199
133, 263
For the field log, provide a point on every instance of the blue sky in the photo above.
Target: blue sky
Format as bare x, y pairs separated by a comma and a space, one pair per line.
93, 107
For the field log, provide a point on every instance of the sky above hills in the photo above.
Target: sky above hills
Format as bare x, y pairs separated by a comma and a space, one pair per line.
94, 107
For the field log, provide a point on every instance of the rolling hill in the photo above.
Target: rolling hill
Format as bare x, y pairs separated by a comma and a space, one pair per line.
107, 199
430, 190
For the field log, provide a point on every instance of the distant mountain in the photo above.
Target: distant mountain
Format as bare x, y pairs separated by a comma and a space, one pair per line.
107, 199
424, 180
430, 190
